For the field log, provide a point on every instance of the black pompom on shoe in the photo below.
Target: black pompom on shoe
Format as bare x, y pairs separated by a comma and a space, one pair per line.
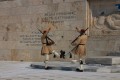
70, 55
62, 55
54, 56
81, 62
47, 68
78, 70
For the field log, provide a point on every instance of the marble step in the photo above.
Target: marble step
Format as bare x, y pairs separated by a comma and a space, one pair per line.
68, 66
104, 60
56, 65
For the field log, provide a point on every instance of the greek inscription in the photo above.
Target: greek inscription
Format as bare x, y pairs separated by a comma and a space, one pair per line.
59, 17
32, 39
6, 0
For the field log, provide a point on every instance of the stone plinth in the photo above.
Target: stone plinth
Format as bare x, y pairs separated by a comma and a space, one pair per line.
104, 60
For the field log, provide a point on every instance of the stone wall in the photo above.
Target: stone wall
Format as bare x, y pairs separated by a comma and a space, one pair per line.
19, 19
105, 27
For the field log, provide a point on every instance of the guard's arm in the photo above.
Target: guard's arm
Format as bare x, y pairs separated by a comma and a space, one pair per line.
77, 29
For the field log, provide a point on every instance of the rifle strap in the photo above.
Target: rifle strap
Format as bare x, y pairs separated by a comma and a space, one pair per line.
46, 40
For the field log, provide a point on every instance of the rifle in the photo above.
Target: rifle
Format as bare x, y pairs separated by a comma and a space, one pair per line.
70, 54
77, 37
47, 37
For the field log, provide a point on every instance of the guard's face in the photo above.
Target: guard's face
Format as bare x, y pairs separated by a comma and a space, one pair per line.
44, 31
82, 31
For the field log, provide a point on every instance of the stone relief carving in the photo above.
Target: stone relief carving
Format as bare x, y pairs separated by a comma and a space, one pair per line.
111, 21
99, 22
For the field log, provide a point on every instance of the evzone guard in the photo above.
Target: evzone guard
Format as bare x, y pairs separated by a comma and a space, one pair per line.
47, 49
80, 47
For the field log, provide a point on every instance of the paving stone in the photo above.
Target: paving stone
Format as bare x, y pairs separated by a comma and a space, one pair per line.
21, 71
68, 66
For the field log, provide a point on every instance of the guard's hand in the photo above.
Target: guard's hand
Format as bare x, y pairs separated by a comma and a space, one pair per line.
49, 29
77, 29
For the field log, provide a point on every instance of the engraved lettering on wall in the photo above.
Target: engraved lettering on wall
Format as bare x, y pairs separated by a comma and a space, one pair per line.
32, 39
59, 17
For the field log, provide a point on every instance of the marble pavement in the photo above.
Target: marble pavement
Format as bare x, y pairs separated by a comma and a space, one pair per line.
21, 71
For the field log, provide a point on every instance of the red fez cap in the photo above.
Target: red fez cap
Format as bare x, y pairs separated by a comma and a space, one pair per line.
82, 31
44, 31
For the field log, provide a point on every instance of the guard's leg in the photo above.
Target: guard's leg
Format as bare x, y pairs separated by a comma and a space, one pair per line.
81, 64
46, 61
55, 53
69, 54
75, 60
80, 68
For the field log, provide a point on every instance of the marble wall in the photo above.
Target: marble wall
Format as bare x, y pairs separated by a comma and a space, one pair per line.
19, 20
105, 27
